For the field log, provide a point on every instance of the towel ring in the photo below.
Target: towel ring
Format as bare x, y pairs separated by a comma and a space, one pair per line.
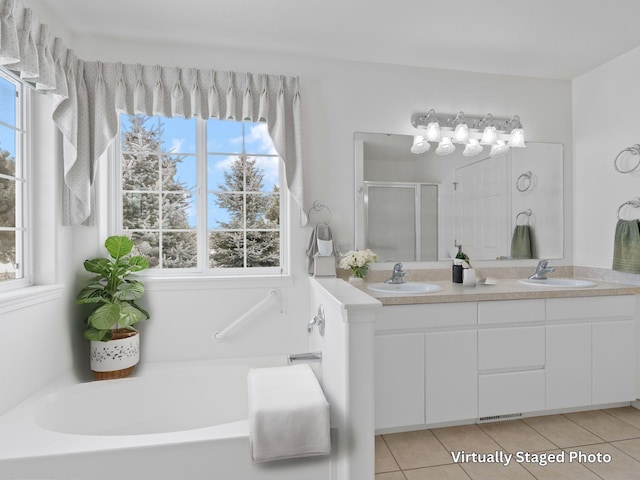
526, 181
635, 203
634, 150
319, 208
526, 212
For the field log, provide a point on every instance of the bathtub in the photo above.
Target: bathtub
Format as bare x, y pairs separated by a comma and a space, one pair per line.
171, 420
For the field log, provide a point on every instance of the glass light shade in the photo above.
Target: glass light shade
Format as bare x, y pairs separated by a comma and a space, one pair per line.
461, 134
473, 148
517, 138
489, 136
498, 148
420, 145
433, 132
445, 147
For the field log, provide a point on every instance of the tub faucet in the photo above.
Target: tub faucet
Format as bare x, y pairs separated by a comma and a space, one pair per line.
397, 276
541, 270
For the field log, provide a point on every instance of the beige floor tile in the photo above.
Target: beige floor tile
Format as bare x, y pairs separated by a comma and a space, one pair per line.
496, 471
630, 447
417, 449
562, 431
470, 438
384, 460
629, 415
604, 425
621, 467
442, 472
515, 436
390, 476
543, 468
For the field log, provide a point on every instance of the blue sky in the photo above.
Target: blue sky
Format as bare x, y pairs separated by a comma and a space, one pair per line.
7, 115
224, 143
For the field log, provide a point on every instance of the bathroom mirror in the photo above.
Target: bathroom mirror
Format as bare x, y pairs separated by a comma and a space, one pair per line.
418, 207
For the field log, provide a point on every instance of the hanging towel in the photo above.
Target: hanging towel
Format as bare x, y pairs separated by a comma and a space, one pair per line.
288, 414
522, 242
626, 247
320, 243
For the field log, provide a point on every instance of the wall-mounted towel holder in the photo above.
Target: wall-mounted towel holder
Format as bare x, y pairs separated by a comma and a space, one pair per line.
526, 212
319, 213
635, 203
633, 150
523, 183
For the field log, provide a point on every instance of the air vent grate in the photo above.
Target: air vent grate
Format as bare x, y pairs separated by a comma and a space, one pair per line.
499, 417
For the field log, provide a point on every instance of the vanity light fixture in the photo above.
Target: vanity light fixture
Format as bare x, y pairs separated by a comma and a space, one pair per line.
473, 132
420, 145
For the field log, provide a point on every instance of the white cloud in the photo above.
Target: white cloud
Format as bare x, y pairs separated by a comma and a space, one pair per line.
259, 136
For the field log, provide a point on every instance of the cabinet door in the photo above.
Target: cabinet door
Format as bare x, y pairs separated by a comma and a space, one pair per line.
510, 393
399, 380
451, 386
568, 365
614, 362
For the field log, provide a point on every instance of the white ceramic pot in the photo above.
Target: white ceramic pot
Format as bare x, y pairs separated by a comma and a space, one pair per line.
115, 354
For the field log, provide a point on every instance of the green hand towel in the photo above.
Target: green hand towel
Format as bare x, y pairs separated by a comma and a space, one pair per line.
522, 242
626, 247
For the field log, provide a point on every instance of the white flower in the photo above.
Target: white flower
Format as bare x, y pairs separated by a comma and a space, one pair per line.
357, 259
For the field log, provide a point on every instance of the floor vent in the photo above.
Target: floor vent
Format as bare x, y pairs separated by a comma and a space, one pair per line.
500, 417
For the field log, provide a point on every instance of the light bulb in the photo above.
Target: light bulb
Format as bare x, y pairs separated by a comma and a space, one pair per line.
461, 134
489, 135
473, 148
433, 132
420, 145
517, 138
445, 147
498, 148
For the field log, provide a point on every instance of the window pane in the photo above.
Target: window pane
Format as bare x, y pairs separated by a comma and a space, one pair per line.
226, 249
178, 211
263, 249
224, 136
179, 249
7, 102
7, 141
7, 255
140, 211
257, 139
263, 211
147, 245
179, 172
140, 172
7, 159
7, 203
226, 211
218, 168
178, 135
267, 169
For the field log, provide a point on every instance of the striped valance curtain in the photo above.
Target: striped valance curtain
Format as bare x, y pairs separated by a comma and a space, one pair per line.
90, 95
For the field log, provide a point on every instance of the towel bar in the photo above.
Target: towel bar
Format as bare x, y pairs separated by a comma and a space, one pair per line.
635, 203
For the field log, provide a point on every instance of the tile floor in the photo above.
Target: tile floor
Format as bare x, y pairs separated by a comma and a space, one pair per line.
426, 454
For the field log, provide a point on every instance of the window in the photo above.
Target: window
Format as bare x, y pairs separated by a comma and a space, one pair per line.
201, 196
13, 185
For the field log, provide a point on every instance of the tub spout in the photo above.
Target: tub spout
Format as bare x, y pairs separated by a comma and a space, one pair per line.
304, 357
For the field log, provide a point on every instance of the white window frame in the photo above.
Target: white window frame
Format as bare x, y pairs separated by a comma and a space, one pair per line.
202, 270
24, 213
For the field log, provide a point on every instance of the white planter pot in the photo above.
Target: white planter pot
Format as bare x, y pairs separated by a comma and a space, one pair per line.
115, 354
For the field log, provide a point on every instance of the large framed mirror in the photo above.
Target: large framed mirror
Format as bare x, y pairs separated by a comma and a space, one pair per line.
412, 207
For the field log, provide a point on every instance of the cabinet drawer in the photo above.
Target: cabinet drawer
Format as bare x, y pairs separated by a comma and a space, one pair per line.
406, 317
510, 311
584, 308
514, 347
508, 393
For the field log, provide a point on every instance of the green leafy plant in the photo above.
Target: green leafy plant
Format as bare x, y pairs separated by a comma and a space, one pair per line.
116, 294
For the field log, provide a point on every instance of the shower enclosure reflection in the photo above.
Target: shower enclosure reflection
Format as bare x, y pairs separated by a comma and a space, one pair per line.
417, 207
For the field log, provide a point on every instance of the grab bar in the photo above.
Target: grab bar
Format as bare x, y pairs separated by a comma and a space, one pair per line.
304, 357
223, 333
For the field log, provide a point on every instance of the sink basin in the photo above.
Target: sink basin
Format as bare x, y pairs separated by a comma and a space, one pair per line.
404, 288
559, 283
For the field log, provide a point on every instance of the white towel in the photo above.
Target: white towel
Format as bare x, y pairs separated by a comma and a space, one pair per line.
288, 413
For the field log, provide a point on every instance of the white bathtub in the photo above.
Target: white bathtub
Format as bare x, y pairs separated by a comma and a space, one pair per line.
171, 421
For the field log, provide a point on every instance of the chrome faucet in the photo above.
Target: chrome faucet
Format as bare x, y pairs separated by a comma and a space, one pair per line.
541, 270
397, 276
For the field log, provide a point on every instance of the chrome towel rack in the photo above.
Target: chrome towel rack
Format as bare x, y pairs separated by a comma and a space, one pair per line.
523, 183
634, 202
633, 150
526, 212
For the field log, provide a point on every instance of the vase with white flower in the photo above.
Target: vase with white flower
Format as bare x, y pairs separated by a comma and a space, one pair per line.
358, 262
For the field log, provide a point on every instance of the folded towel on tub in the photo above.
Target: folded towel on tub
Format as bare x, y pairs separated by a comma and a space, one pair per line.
288, 413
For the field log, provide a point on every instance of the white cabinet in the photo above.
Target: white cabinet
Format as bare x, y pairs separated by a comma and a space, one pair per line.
613, 362
512, 392
511, 348
568, 365
451, 376
399, 380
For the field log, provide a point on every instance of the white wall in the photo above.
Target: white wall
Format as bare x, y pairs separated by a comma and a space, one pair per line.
605, 121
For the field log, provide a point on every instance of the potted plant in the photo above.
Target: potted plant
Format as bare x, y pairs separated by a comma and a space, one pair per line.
114, 340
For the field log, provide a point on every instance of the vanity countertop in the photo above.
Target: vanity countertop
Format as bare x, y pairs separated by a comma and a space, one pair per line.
504, 289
